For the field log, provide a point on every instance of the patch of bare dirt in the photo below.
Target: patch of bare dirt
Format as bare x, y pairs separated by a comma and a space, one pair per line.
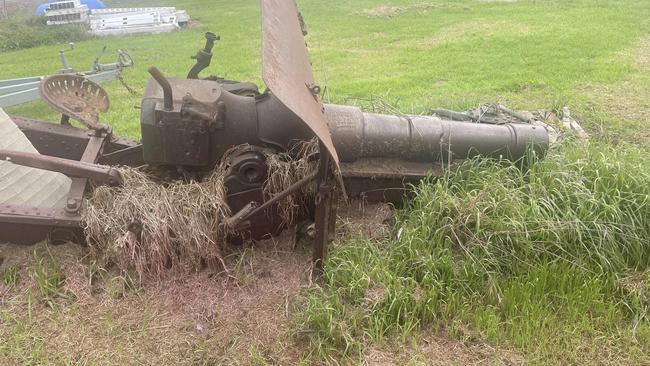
252, 311
192, 24
198, 318
627, 102
23, 259
437, 350
387, 11
373, 221
468, 29
643, 53
498, 1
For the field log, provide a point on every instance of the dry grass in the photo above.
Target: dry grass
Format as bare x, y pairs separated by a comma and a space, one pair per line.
387, 11
373, 221
288, 168
197, 318
626, 105
467, 30
186, 320
153, 228
150, 228
643, 53
436, 349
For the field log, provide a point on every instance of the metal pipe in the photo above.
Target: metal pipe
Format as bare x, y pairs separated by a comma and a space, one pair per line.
168, 98
28, 95
252, 211
97, 173
18, 87
9, 82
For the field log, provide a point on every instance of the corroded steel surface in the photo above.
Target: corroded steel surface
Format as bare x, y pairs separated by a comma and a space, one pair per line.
98, 173
75, 96
286, 68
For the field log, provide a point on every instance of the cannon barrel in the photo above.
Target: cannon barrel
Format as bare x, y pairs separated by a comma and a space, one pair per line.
357, 135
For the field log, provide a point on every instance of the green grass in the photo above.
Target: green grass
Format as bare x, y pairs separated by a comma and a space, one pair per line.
530, 258
49, 279
530, 54
539, 259
10, 276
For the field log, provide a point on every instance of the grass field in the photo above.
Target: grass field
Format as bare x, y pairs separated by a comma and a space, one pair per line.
491, 264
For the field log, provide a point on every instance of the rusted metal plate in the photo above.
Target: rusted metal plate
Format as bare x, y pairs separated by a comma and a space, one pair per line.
75, 96
286, 68
53, 139
31, 215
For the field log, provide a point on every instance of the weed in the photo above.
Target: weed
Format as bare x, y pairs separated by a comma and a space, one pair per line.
97, 273
49, 279
117, 287
10, 276
256, 357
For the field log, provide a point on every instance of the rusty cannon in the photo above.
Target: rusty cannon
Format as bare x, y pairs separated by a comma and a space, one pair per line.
190, 125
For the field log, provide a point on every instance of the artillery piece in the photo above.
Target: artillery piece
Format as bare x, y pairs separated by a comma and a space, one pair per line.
188, 124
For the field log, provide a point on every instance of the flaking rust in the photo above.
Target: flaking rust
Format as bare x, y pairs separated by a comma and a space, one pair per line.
191, 125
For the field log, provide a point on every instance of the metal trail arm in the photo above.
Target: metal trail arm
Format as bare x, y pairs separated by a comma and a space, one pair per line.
97, 173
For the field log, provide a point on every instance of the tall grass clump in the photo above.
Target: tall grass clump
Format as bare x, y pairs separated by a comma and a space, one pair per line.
22, 31
536, 258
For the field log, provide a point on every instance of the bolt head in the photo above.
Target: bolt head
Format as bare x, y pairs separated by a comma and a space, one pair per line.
71, 203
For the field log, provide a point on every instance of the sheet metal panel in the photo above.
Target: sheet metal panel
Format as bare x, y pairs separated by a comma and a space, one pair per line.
286, 68
27, 186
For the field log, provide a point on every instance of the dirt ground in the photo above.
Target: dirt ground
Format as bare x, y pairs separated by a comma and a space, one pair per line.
100, 317
200, 318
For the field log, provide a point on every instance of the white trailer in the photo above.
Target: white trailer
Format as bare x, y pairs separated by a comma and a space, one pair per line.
66, 12
117, 21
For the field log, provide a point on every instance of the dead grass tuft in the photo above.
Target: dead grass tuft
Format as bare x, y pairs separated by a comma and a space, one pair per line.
638, 283
152, 228
371, 220
626, 103
643, 53
288, 168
